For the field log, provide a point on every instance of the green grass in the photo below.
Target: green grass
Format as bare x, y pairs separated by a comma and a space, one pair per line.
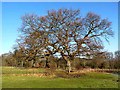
14, 70
90, 80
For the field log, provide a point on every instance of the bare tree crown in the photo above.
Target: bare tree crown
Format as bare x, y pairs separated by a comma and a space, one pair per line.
65, 31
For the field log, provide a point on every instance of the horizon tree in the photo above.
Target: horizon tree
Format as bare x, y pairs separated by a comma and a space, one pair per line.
117, 59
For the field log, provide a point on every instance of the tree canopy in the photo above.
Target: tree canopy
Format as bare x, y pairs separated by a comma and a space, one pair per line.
63, 31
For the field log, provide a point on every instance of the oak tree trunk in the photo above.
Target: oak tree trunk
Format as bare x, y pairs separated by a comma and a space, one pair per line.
69, 66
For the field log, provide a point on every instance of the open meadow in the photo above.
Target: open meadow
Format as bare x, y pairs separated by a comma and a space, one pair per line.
60, 45
13, 77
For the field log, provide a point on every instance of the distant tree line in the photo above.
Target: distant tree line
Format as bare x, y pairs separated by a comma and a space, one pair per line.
106, 61
77, 40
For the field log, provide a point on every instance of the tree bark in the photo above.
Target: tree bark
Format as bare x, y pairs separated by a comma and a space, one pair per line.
69, 66
22, 63
46, 63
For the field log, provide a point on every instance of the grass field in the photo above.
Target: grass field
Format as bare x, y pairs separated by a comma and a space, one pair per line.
89, 80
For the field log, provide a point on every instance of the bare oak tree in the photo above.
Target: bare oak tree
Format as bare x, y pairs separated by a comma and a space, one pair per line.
65, 32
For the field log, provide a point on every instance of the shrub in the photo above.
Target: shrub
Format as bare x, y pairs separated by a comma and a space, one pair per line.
78, 66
